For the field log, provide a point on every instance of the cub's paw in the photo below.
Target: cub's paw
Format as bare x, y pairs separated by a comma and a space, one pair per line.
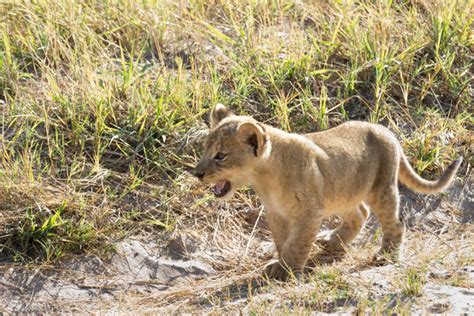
277, 271
385, 257
331, 247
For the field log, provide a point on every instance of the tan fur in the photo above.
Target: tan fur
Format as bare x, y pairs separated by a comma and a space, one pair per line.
302, 179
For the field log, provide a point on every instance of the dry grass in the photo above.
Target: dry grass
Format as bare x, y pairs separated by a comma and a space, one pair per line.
103, 106
349, 284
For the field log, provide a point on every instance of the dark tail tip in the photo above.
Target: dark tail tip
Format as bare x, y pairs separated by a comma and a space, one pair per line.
455, 164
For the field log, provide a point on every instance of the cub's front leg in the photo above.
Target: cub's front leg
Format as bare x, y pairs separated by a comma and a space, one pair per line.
295, 249
279, 227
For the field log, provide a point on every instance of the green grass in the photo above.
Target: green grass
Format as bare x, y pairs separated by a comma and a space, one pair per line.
411, 283
102, 102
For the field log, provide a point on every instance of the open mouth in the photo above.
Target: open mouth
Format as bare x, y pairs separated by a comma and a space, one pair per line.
221, 188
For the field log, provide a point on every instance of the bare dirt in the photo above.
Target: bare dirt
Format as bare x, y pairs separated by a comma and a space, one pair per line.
179, 272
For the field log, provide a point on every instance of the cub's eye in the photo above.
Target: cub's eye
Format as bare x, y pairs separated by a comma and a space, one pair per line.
220, 157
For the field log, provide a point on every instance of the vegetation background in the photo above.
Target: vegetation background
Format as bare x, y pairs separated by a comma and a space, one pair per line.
103, 107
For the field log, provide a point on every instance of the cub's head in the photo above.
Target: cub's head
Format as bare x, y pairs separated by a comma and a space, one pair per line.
234, 147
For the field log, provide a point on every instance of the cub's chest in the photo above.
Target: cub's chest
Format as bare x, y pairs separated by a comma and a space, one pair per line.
276, 204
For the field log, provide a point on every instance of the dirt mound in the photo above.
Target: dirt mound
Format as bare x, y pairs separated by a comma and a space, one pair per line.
132, 270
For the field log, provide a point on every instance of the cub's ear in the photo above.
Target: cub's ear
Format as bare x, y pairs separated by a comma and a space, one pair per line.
253, 135
218, 113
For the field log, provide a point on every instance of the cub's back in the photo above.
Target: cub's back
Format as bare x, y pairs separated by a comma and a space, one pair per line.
356, 154
355, 138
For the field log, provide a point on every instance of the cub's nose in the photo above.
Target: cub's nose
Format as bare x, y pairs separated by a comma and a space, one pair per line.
198, 174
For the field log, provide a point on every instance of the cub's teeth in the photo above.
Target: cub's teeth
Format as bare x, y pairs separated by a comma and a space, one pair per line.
216, 190
221, 188
220, 185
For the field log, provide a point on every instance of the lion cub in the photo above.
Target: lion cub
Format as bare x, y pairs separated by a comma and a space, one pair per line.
302, 179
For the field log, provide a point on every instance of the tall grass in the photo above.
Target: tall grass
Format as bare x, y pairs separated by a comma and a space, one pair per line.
103, 101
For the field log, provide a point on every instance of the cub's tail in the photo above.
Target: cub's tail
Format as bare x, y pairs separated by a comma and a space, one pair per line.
413, 181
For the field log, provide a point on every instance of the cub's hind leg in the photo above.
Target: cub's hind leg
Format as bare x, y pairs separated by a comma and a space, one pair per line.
385, 205
352, 223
